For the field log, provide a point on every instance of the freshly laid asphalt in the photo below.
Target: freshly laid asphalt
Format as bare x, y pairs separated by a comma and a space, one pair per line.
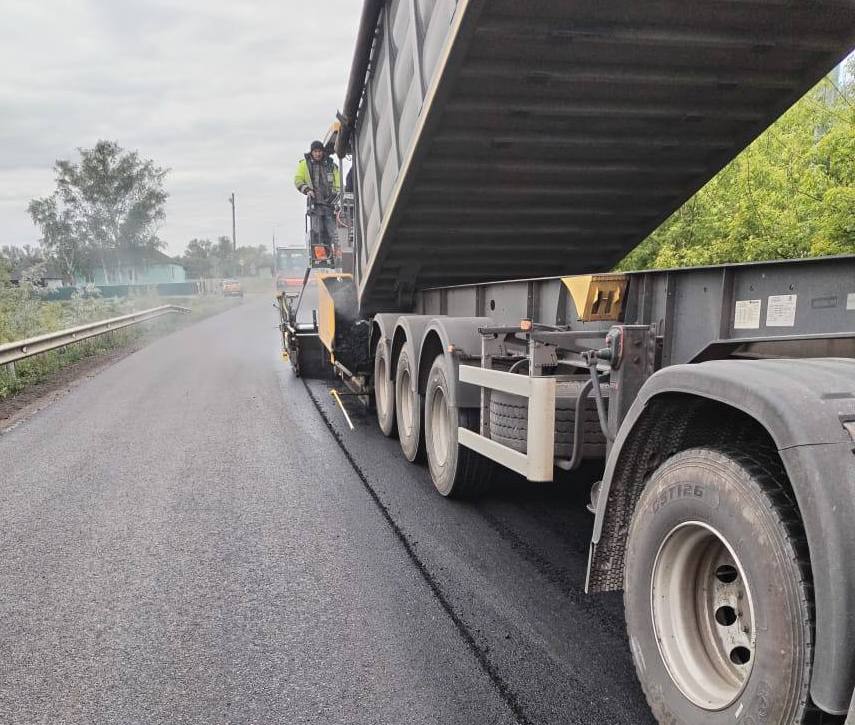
195, 536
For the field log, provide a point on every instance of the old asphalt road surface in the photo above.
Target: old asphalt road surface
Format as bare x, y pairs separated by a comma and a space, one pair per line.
194, 536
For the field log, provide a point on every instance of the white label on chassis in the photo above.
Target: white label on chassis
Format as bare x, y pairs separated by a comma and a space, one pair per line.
850, 301
781, 311
747, 315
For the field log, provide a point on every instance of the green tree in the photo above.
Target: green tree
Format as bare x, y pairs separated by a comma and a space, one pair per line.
59, 237
790, 194
251, 259
108, 201
198, 259
224, 261
203, 258
22, 257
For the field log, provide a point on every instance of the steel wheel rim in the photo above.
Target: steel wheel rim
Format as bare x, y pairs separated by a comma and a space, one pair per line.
406, 403
440, 426
380, 391
703, 615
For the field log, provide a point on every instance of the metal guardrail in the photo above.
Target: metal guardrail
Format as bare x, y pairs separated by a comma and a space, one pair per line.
12, 352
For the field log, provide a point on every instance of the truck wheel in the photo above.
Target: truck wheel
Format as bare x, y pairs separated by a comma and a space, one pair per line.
509, 421
384, 390
717, 592
457, 471
408, 409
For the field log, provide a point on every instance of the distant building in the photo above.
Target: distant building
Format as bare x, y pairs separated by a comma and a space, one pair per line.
47, 277
138, 266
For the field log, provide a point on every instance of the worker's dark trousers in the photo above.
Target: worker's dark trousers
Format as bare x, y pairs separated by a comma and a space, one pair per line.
323, 226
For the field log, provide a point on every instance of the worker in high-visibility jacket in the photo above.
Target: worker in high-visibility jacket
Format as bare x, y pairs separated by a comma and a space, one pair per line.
319, 178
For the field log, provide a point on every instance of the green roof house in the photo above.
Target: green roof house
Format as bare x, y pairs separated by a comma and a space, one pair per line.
138, 266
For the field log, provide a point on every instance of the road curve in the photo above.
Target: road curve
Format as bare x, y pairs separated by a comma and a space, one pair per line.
194, 536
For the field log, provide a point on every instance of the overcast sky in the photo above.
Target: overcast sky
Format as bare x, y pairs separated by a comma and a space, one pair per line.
227, 95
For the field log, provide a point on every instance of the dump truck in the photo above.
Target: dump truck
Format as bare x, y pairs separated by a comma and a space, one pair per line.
506, 155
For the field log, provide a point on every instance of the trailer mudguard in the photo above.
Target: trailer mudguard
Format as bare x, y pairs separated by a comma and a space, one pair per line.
408, 334
382, 329
802, 404
457, 338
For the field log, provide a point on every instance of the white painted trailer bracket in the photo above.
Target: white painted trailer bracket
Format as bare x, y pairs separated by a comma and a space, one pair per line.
538, 463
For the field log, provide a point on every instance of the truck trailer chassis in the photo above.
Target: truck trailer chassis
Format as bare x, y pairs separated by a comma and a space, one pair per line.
494, 139
753, 361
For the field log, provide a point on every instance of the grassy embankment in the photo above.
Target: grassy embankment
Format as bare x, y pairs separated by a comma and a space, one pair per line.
22, 316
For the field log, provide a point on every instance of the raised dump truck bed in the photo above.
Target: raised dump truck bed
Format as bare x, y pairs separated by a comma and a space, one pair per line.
499, 139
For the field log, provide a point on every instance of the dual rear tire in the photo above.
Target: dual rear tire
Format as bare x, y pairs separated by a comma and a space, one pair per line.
718, 593
384, 389
456, 471
427, 424
408, 408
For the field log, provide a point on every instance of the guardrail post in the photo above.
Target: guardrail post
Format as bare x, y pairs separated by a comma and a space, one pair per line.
12, 372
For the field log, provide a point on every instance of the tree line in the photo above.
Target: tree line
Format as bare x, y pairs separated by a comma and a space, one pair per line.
201, 259
789, 195
204, 259
106, 204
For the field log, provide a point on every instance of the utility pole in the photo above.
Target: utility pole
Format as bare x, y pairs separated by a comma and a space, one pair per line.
234, 236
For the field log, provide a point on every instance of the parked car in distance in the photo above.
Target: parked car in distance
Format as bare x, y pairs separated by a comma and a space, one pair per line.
232, 288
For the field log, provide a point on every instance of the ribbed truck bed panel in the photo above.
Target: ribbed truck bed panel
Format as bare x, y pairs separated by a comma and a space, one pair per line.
499, 139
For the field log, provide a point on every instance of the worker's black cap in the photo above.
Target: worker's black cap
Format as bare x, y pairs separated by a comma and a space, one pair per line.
317, 145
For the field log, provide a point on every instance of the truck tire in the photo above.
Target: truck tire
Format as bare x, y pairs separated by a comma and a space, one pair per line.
509, 422
718, 592
408, 409
456, 471
384, 390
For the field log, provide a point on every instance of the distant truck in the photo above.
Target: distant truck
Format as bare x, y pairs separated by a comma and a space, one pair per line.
290, 267
506, 156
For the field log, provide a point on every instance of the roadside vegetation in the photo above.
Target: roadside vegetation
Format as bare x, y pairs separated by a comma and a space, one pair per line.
107, 203
24, 314
789, 195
